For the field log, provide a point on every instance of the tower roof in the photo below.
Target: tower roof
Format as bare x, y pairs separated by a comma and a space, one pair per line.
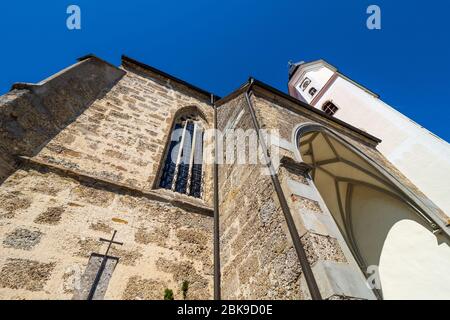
293, 67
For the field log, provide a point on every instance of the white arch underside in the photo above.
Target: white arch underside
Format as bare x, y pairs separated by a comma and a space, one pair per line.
378, 222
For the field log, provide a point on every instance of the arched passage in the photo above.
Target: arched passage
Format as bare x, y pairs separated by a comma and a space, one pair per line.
384, 229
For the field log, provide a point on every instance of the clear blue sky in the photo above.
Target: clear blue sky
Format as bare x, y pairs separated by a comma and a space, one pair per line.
217, 46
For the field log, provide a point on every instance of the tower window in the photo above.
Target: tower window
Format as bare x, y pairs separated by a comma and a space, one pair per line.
312, 91
182, 171
306, 82
329, 108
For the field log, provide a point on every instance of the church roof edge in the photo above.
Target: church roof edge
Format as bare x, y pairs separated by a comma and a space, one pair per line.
246, 86
169, 76
93, 56
255, 82
311, 108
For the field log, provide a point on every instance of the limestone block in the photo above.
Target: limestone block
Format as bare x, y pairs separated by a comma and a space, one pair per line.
51, 216
320, 248
25, 274
339, 280
22, 238
144, 289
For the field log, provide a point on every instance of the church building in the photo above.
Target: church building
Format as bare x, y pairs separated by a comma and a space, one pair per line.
113, 186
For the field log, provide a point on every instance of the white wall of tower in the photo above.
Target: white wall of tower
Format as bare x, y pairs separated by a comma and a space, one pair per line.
419, 154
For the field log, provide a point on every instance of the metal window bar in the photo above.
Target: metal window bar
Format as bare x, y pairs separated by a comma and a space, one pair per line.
191, 160
197, 166
170, 165
329, 108
183, 166
183, 173
180, 150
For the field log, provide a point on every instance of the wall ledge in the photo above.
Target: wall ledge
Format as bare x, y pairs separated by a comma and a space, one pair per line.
179, 201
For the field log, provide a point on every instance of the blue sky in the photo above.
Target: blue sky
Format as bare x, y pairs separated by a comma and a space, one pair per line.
218, 45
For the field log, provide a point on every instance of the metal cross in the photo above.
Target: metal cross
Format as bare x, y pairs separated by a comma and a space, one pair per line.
103, 264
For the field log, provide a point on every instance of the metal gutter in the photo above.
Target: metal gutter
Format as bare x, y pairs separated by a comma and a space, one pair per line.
216, 209
299, 103
301, 253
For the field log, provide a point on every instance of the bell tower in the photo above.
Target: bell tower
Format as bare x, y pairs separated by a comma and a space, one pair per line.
422, 156
308, 81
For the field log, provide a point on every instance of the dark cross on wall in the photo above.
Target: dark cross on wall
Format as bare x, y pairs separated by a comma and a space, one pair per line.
102, 265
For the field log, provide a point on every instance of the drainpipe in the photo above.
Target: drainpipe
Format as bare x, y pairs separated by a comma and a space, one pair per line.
216, 209
301, 253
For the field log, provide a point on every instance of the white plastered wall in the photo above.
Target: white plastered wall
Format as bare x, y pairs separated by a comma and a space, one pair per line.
389, 234
420, 155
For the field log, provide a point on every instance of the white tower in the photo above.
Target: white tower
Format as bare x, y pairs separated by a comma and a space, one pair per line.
422, 156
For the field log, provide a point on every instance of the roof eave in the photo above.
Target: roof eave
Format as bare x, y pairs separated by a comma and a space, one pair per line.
254, 82
126, 59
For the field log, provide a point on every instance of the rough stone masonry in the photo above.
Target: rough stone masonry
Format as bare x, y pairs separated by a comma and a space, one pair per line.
81, 156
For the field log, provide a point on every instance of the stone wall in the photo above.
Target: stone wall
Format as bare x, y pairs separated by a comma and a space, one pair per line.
31, 115
258, 260
50, 225
122, 136
335, 271
81, 157
333, 265
93, 138
257, 257
277, 113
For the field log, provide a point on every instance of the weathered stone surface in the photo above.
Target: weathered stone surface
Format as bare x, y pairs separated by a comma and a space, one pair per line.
320, 247
249, 268
22, 239
306, 204
126, 257
51, 216
155, 235
11, 202
144, 289
25, 274
112, 126
101, 226
266, 211
30, 118
88, 246
298, 177
92, 195
185, 271
68, 282
147, 228
258, 263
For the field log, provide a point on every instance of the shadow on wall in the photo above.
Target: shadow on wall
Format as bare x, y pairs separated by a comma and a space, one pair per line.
383, 228
31, 115
412, 261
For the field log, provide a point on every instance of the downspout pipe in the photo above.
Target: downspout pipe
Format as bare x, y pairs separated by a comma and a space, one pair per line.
301, 253
216, 208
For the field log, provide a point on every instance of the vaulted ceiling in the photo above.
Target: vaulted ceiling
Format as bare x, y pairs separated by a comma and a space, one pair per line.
339, 174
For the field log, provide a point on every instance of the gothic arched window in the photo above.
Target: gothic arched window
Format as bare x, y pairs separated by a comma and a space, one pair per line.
329, 108
182, 170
